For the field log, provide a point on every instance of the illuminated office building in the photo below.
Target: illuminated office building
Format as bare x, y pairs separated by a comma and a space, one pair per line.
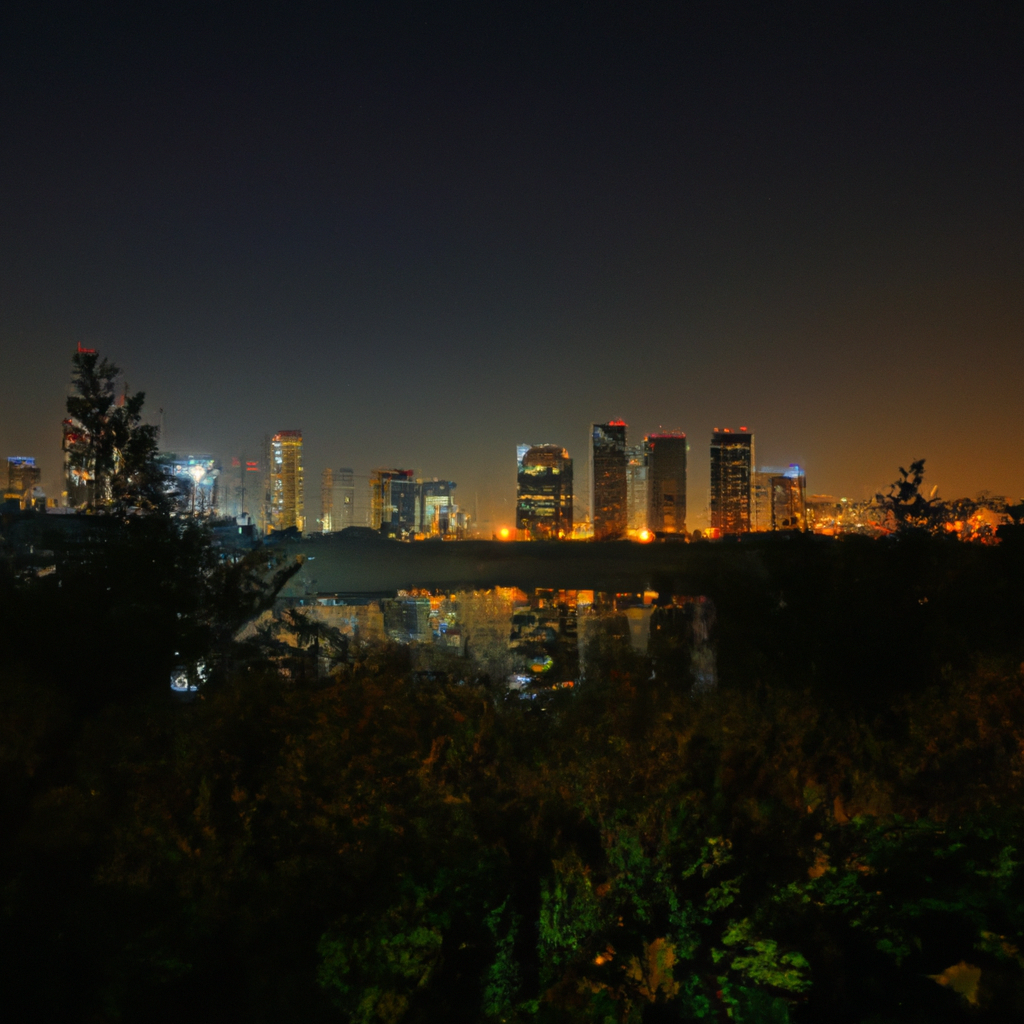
22, 475
337, 500
732, 461
666, 482
285, 499
608, 493
636, 487
789, 504
436, 508
393, 504
326, 500
777, 498
761, 498
543, 492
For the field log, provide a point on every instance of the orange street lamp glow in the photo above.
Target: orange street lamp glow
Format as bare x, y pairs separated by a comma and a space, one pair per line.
644, 536
503, 533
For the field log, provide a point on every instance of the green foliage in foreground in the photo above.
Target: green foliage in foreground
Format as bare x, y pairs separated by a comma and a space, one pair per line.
380, 847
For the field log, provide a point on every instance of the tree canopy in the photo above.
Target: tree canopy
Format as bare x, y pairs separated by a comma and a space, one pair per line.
110, 448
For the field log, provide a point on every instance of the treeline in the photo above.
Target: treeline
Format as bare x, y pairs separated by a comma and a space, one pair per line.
834, 834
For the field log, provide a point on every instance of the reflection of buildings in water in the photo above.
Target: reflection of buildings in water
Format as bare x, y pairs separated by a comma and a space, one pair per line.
534, 642
407, 618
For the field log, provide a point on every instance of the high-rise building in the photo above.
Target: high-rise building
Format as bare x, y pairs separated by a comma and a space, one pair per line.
608, 505
666, 482
543, 492
636, 487
285, 500
436, 508
732, 461
344, 499
22, 475
777, 496
337, 500
326, 500
393, 503
789, 506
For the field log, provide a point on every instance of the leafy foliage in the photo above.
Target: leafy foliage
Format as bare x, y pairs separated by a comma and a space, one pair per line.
380, 846
113, 450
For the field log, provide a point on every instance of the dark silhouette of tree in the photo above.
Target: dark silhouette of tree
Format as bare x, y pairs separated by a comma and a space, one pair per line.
909, 508
112, 448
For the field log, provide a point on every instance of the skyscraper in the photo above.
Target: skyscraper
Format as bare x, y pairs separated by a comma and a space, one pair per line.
544, 492
22, 475
789, 506
285, 498
393, 503
777, 498
326, 500
608, 505
732, 460
436, 508
666, 482
344, 500
337, 500
636, 487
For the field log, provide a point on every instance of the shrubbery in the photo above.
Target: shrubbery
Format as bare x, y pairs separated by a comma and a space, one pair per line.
381, 847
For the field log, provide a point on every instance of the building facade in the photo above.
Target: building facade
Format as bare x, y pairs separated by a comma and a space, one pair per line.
437, 510
543, 492
285, 491
608, 490
337, 500
789, 500
393, 501
636, 487
666, 482
732, 461
777, 499
22, 476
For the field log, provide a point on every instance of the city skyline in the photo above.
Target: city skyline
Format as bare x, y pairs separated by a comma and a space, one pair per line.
768, 492
422, 239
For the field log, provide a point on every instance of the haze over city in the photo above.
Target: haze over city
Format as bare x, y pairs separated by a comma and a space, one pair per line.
423, 236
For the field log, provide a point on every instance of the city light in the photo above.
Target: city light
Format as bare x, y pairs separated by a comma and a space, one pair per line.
504, 533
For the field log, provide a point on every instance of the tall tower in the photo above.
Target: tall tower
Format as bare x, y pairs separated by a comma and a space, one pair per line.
286, 499
732, 461
436, 510
344, 499
393, 500
636, 486
666, 482
608, 505
327, 501
789, 500
544, 493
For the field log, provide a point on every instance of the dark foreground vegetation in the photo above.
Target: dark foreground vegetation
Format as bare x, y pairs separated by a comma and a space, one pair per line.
834, 834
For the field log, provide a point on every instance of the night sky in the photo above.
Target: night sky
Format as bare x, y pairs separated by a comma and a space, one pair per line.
423, 233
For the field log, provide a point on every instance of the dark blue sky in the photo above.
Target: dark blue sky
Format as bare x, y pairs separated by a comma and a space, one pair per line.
422, 233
